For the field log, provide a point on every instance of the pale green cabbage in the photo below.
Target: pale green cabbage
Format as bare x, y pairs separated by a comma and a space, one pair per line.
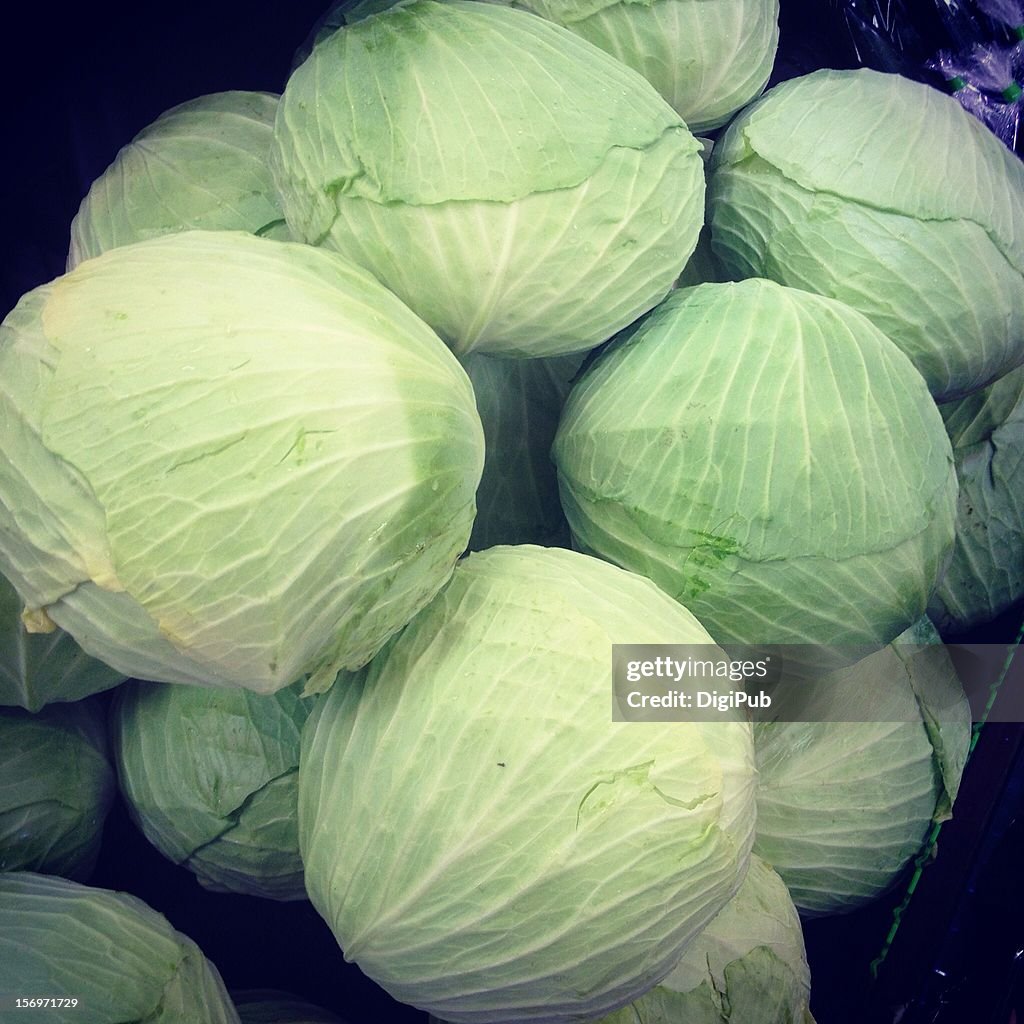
39, 669
986, 573
483, 840
519, 401
532, 199
708, 58
56, 788
888, 195
748, 447
201, 164
229, 460
748, 966
844, 805
119, 958
211, 779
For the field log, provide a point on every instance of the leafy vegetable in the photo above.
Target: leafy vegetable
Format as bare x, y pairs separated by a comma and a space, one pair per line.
888, 195
482, 840
846, 796
986, 573
56, 788
519, 401
708, 58
108, 953
211, 779
770, 459
230, 461
748, 966
531, 199
202, 164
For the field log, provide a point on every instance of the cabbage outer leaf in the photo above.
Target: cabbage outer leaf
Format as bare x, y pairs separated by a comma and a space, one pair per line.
843, 806
37, 669
708, 58
748, 966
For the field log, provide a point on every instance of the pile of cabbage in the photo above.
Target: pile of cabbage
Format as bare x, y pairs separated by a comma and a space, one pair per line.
366, 420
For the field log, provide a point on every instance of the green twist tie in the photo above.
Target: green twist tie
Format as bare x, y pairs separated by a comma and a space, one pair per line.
1012, 93
955, 84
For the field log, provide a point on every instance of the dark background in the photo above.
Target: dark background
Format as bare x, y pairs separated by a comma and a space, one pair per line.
78, 83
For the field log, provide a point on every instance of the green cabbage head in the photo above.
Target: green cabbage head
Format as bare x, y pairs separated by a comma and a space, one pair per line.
769, 458
748, 966
483, 840
985, 576
211, 779
523, 191
56, 787
119, 958
884, 193
847, 796
229, 461
708, 58
201, 164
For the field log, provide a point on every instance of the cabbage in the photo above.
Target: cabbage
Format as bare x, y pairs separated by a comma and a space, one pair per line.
202, 164
846, 796
37, 669
770, 459
708, 58
56, 787
482, 840
519, 401
748, 966
524, 192
117, 958
211, 779
986, 573
887, 194
229, 461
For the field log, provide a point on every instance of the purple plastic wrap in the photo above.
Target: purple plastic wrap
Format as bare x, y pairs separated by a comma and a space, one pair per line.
982, 79
975, 48
1006, 12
